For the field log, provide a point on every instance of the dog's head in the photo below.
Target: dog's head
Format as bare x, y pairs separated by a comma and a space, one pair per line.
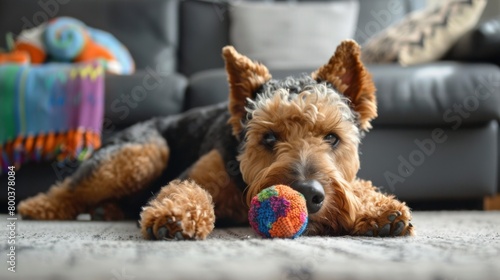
303, 132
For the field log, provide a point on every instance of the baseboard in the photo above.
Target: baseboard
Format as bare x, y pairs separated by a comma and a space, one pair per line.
492, 202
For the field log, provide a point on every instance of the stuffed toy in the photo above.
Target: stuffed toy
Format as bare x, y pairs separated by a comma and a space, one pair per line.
67, 39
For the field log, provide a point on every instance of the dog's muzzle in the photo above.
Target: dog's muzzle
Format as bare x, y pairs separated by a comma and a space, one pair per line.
313, 192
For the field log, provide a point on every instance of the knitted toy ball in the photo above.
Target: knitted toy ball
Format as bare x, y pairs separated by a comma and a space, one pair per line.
278, 212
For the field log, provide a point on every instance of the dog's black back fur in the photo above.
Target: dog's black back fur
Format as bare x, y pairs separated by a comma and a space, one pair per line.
189, 136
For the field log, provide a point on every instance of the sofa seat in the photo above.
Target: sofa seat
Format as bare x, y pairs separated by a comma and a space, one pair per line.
430, 94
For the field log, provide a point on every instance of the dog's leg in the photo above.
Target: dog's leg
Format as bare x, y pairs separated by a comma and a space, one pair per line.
124, 166
380, 214
185, 209
107, 211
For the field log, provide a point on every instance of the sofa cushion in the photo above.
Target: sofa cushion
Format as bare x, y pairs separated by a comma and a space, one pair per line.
204, 31
284, 35
424, 36
441, 93
445, 94
140, 96
432, 163
148, 28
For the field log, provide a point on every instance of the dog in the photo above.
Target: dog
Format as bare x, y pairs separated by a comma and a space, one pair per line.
303, 132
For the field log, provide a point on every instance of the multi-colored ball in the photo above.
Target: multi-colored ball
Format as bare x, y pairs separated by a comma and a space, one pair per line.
278, 212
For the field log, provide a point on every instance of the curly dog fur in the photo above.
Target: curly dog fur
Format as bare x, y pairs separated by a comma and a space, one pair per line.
302, 131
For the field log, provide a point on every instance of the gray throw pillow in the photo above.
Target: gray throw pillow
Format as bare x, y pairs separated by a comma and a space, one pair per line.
291, 35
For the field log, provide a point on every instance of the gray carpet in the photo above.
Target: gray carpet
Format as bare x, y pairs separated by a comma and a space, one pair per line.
449, 246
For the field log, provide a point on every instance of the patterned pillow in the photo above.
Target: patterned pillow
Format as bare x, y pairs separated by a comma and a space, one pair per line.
425, 35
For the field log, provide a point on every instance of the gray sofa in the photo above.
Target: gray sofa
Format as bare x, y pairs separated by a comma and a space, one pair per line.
436, 137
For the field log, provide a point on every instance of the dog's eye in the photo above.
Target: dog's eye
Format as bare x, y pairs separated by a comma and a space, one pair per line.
332, 139
269, 140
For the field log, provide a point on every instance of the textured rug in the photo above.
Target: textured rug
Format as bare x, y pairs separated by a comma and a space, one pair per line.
449, 246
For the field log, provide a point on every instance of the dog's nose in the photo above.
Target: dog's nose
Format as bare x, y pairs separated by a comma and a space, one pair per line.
313, 192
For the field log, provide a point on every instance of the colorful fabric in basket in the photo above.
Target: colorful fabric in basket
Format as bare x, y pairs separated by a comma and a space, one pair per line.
50, 111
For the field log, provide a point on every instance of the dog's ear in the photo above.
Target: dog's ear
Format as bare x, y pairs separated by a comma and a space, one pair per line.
346, 72
245, 77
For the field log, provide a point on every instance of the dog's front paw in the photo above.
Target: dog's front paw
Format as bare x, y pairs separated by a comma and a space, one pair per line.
389, 223
181, 211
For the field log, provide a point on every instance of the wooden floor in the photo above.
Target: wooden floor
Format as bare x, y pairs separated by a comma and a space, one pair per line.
492, 203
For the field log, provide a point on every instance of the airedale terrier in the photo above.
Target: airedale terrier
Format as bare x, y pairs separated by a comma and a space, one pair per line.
303, 132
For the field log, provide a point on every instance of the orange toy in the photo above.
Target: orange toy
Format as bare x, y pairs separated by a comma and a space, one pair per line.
16, 56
